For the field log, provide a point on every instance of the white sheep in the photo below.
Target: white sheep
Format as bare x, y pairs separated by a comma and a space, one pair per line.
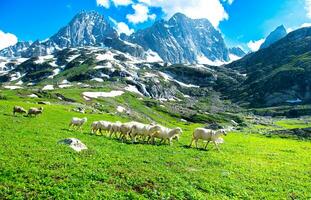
142, 130
77, 122
18, 109
100, 126
164, 133
125, 129
115, 128
35, 111
208, 135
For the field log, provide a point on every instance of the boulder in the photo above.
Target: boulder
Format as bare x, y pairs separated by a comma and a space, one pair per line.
74, 143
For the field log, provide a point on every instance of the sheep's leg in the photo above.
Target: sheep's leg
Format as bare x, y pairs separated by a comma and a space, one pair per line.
207, 144
191, 142
216, 145
170, 141
196, 143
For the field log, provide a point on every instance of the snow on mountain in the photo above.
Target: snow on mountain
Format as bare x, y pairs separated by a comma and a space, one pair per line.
183, 40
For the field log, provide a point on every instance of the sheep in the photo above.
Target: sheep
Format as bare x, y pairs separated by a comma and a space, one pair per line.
125, 129
164, 133
208, 135
100, 126
77, 122
115, 128
143, 130
19, 109
35, 111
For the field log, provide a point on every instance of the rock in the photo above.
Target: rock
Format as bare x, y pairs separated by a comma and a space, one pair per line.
74, 143
44, 103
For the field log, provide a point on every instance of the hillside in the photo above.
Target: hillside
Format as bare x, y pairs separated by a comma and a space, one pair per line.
277, 74
34, 165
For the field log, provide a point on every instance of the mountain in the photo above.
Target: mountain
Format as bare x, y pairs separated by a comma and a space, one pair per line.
85, 29
183, 40
15, 50
274, 36
237, 51
278, 74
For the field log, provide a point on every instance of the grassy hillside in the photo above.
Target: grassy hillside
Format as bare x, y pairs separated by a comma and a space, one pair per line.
249, 166
278, 73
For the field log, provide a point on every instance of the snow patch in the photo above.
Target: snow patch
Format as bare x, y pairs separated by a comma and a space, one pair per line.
204, 60
48, 87
100, 80
132, 88
11, 87
33, 96
65, 86
95, 95
121, 109
42, 59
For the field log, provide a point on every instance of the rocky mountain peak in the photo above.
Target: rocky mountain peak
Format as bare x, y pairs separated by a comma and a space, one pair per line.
274, 36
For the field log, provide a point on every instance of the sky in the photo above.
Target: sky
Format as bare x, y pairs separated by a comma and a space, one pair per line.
243, 23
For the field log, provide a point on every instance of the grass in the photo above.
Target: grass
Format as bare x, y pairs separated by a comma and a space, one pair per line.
250, 166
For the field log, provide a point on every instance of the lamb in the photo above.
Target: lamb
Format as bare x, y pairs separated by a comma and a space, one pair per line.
208, 135
35, 111
19, 109
164, 133
77, 122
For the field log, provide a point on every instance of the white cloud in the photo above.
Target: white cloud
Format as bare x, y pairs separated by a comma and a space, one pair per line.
140, 15
122, 2
7, 39
301, 26
103, 3
308, 8
255, 45
213, 10
121, 27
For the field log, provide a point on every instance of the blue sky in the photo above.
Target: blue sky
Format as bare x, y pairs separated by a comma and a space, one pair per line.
240, 21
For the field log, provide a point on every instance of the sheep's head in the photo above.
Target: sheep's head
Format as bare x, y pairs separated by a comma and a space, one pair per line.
223, 132
85, 119
178, 130
41, 108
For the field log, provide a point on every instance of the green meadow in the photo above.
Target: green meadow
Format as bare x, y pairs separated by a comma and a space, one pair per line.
249, 166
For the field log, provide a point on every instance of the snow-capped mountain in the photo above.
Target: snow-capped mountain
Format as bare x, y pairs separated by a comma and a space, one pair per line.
86, 29
183, 40
274, 36
179, 40
16, 50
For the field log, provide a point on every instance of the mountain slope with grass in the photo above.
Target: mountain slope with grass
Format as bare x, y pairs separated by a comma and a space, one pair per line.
278, 74
34, 165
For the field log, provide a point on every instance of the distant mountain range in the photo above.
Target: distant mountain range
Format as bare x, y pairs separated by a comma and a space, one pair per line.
179, 40
163, 61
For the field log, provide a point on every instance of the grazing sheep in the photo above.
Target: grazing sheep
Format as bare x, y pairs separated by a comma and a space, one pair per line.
104, 126
142, 130
208, 135
164, 133
19, 109
35, 111
77, 122
115, 128
125, 130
